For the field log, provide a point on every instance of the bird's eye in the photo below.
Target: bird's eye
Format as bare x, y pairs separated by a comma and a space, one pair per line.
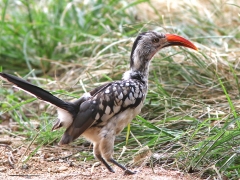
155, 40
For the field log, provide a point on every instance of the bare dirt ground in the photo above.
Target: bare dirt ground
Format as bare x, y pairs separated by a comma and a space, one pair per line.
46, 164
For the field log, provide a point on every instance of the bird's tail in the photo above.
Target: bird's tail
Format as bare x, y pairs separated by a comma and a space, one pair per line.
38, 92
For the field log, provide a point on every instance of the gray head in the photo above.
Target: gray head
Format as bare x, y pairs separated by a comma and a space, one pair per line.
147, 44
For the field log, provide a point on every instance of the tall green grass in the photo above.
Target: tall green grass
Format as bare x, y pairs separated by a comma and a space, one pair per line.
191, 114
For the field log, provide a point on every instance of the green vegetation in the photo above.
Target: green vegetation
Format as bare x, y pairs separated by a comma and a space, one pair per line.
191, 114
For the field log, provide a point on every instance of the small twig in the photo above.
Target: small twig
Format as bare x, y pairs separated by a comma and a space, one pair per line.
7, 146
23, 174
136, 139
123, 151
10, 155
96, 164
11, 159
4, 141
217, 171
63, 157
69, 175
28, 147
15, 135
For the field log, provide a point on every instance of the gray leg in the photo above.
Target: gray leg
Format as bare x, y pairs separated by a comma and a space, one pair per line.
104, 162
106, 148
99, 157
126, 171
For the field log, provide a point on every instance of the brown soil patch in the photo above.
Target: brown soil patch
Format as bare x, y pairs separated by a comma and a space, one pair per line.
44, 164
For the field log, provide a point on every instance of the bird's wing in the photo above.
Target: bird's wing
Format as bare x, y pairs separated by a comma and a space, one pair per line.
83, 121
85, 117
108, 101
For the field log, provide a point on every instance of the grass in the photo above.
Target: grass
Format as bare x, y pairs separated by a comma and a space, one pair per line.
191, 114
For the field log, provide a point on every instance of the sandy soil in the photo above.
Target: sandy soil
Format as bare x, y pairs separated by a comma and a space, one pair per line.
46, 164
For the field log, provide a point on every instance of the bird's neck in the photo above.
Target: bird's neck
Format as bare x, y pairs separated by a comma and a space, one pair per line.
139, 69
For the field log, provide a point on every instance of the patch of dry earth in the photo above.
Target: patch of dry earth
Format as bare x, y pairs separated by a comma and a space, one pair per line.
40, 166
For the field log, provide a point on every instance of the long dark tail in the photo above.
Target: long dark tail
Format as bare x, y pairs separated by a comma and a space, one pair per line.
38, 92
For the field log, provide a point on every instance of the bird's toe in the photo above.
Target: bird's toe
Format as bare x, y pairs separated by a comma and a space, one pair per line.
128, 172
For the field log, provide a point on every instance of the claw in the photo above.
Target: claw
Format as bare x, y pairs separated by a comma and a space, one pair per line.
128, 172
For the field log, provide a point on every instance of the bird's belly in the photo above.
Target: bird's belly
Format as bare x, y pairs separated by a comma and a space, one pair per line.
113, 126
117, 123
92, 134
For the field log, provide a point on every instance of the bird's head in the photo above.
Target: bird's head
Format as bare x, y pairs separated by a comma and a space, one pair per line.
147, 44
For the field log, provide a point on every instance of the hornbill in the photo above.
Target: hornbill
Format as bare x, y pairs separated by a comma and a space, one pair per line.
102, 113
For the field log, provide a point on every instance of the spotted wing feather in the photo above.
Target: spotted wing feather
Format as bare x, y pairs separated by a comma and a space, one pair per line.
116, 98
107, 102
84, 119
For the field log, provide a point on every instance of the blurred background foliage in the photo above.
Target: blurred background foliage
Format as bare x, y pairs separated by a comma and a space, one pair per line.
191, 114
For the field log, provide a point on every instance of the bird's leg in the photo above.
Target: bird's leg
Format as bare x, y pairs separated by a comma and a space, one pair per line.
100, 158
126, 171
106, 147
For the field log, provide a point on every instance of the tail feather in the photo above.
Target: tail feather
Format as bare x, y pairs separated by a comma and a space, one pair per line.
37, 92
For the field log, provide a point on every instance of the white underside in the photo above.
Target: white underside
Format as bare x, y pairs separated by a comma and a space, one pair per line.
64, 117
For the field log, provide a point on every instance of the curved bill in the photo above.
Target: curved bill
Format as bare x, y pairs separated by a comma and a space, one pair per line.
175, 40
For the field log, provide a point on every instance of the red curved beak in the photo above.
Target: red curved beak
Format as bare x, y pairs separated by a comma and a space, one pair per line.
175, 40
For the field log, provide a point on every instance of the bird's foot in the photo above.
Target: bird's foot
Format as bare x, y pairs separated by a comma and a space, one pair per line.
128, 172
111, 170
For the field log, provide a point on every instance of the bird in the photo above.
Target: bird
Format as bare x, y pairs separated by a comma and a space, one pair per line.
102, 113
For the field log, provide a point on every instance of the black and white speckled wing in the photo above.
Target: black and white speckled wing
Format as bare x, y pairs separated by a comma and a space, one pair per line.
116, 98
107, 102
